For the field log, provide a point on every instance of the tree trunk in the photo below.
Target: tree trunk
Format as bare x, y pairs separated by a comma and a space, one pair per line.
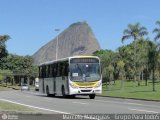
142, 76
6, 81
153, 80
122, 82
146, 80
139, 79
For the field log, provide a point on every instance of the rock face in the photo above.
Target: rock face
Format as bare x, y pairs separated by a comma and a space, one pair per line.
77, 39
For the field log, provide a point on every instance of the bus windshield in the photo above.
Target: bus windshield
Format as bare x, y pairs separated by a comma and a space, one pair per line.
84, 71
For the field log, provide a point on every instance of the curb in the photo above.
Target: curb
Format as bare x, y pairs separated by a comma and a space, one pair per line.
128, 98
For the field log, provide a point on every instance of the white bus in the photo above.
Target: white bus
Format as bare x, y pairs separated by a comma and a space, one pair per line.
78, 75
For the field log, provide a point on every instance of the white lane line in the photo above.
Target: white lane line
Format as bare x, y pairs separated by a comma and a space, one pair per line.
140, 110
27, 96
47, 99
108, 101
61, 112
79, 103
127, 103
35, 107
132, 103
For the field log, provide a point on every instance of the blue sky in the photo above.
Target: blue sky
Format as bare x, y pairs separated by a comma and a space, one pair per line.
31, 23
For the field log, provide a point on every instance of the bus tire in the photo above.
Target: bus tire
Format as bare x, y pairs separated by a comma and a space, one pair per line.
72, 96
92, 96
63, 91
47, 91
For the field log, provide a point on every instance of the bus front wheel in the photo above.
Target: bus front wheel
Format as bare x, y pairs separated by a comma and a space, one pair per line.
92, 96
47, 92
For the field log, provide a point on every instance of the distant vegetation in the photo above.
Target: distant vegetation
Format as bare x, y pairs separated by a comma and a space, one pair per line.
13, 67
138, 61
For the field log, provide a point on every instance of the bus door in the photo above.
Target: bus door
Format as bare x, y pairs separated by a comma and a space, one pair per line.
43, 88
54, 85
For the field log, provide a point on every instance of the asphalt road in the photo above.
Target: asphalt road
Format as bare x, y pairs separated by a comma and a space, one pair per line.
80, 105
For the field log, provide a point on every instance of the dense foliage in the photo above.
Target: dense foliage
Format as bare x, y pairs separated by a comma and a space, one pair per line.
13, 67
137, 61
3, 51
21, 66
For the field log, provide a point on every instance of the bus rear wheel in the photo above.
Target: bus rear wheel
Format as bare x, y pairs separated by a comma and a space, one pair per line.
47, 92
92, 96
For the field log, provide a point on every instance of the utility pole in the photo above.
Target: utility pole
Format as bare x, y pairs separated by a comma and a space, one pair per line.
57, 30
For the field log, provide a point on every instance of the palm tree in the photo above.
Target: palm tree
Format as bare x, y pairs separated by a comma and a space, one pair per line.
157, 31
136, 32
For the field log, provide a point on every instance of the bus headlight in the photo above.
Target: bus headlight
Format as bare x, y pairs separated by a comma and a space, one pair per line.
73, 86
98, 85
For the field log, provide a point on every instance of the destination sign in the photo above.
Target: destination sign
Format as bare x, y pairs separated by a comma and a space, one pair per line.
84, 60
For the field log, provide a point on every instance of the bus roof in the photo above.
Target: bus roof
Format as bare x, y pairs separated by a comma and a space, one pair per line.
64, 59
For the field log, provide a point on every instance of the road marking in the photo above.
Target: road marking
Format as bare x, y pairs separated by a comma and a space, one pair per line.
132, 103
27, 96
128, 103
35, 107
47, 99
61, 112
79, 103
107, 101
140, 110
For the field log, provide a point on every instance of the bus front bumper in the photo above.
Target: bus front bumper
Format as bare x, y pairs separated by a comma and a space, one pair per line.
85, 91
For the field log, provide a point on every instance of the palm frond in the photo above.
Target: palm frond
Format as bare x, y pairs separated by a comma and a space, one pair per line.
130, 26
142, 29
157, 37
158, 23
125, 37
156, 30
137, 25
142, 33
126, 31
4, 37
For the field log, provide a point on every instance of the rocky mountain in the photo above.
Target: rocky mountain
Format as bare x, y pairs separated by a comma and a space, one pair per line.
77, 39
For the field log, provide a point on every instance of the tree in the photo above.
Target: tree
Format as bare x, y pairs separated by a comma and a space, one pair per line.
157, 31
142, 60
20, 66
120, 66
126, 54
110, 70
6, 76
3, 51
136, 32
153, 57
106, 57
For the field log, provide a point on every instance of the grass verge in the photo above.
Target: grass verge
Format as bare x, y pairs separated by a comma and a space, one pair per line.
10, 107
130, 89
2, 88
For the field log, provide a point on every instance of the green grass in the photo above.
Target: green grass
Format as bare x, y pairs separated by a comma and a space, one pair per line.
16, 87
132, 90
2, 88
10, 107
